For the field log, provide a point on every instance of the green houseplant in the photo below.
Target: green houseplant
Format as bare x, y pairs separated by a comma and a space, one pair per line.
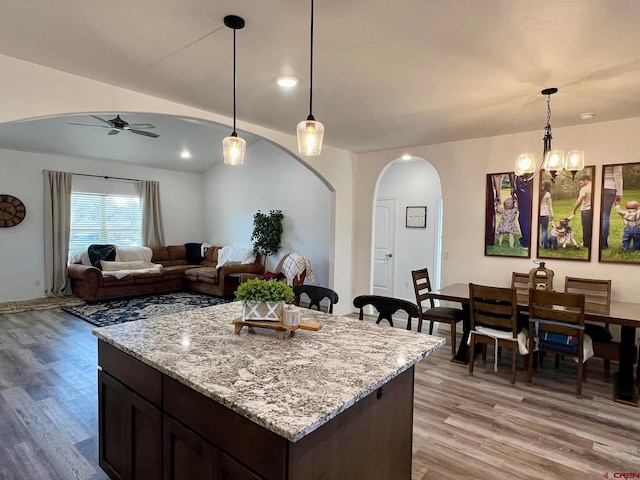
267, 232
263, 299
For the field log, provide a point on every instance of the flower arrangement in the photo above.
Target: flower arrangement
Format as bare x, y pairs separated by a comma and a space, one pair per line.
264, 291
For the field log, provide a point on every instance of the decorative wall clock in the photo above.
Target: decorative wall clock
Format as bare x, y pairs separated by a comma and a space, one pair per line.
416, 217
12, 211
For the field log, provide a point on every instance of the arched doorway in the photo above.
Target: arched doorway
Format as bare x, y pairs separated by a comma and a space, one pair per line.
400, 243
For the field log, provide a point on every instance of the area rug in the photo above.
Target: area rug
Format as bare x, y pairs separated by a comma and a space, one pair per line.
42, 303
111, 312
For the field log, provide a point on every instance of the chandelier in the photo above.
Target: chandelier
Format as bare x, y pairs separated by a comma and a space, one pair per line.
554, 161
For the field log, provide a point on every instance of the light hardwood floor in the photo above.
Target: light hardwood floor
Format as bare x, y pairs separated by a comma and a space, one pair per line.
477, 427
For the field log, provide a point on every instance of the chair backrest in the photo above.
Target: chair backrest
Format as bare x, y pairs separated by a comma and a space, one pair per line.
316, 294
597, 293
422, 287
386, 307
493, 307
522, 283
564, 310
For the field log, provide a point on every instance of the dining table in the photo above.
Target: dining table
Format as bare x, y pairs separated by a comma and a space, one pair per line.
624, 314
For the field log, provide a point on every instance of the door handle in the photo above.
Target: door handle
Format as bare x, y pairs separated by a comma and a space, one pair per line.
389, 255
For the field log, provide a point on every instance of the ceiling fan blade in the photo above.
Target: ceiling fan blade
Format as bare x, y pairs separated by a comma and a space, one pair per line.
113, 132
102, 120
87, 125
142, 132
141, 125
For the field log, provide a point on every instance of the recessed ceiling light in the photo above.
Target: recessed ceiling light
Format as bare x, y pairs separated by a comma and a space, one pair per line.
185, 154
406, 156
287, 81
587, 115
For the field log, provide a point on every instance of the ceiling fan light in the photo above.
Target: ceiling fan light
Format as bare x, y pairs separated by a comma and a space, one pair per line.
526, 164
233, 149
310, 135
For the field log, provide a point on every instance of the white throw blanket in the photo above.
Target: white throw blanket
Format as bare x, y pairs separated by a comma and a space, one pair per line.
122, 269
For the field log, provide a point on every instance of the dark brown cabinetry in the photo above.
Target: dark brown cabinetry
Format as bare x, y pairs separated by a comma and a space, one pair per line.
130, 432
155, 427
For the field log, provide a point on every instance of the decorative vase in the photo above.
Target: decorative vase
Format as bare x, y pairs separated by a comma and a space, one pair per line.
262, 311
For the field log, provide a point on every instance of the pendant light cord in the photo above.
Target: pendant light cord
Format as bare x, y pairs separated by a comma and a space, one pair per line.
234, 83
311, 68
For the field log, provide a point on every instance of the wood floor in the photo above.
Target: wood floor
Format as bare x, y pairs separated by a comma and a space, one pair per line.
477, 427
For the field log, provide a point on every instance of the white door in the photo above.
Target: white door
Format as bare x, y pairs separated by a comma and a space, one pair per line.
383, 248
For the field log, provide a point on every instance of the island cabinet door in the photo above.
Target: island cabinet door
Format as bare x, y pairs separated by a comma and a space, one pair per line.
130, 432
187, 456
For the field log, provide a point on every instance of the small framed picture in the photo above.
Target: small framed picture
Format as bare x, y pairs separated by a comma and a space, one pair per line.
416, 217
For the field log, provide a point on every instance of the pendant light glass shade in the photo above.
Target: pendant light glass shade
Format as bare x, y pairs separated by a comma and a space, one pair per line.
233, 149
553, 161
574, 161
525, 165
310, 134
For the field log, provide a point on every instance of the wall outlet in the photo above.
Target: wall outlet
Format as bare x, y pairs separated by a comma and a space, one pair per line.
37, 282
406, 284
445, 255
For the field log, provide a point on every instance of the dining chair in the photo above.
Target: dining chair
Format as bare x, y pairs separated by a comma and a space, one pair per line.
493, 319
315, 295
556, 325
597, 298
428, 310
522, 283
386, 307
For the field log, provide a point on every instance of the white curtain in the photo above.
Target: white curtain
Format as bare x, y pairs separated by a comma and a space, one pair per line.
152, 226
57, 226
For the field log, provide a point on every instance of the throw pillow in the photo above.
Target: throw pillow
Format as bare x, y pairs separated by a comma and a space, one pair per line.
133, 254
101, 252
194, 253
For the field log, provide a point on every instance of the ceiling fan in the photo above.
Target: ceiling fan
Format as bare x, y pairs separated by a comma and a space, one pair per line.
118, 125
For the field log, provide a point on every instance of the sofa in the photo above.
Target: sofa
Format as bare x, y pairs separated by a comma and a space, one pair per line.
157, 269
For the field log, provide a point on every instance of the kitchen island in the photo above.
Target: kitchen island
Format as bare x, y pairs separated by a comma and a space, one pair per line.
182, 396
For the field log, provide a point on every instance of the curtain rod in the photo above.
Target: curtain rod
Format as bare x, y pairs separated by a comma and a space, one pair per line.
106, 177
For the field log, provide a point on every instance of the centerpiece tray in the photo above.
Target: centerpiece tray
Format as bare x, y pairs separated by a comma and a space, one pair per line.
279, 327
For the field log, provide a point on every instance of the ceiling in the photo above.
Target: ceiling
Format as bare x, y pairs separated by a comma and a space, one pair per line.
386, 74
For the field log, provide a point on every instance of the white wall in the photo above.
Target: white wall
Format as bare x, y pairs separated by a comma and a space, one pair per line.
22, 246
413, 183
463, 167
270, 179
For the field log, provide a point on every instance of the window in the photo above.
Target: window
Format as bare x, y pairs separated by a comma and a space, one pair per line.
105, 218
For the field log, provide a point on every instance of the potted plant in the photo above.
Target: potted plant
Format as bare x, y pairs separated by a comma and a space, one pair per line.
267, 233
263, 299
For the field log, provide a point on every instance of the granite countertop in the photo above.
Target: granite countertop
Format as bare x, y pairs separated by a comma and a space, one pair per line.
289, 386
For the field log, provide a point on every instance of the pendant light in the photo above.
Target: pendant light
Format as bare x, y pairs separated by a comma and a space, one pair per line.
554, 161
233, 147
310, 131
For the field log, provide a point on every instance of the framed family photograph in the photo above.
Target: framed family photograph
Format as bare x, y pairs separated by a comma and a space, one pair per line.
565, 216
508, 216
620, 214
